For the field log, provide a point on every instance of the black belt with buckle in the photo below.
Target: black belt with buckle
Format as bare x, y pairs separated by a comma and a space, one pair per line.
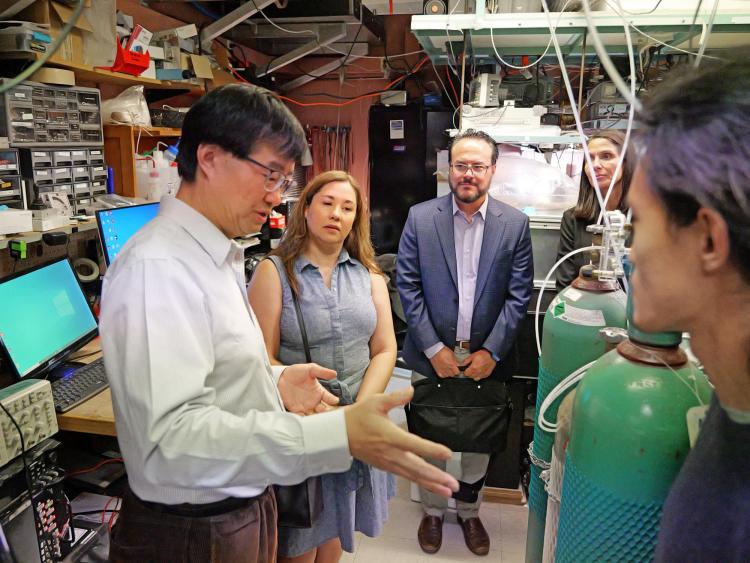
462, 344
199, 510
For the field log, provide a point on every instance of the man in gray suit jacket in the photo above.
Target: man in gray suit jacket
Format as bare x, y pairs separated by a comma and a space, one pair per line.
464, 274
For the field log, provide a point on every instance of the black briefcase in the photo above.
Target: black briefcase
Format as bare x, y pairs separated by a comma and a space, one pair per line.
460, 413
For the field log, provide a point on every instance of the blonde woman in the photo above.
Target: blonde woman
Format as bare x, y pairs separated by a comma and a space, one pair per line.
326, 259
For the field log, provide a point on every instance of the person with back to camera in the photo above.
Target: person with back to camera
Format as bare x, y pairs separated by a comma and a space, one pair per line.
198, 407
691, 253
326, 258
605, 148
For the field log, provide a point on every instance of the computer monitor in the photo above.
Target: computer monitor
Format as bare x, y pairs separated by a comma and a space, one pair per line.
117, 225
45, 316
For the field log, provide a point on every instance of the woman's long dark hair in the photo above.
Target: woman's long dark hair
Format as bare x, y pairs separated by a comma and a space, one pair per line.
588, 204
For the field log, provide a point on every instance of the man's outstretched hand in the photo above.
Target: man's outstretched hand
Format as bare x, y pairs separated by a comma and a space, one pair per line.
375, 440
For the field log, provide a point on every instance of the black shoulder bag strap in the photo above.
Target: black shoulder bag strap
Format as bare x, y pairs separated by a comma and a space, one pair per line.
299, 506
302, 330
298, 310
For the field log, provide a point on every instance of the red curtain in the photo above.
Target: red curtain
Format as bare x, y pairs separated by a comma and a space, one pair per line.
331, 149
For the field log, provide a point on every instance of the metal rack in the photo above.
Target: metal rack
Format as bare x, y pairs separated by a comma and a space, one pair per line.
528, 33
569, 139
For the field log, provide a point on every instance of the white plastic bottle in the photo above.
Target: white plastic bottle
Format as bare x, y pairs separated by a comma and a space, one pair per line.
170, 179
154, 185
143, 168
173, 179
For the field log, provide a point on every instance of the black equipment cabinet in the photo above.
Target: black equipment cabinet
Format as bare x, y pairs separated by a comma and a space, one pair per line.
404, 141
507, 468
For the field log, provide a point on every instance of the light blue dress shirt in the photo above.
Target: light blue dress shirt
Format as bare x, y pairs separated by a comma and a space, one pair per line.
468, 233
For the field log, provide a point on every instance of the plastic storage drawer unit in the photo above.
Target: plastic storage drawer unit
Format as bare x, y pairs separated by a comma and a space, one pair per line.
96, 156
62, 175
62, 158
81, 174
9, 162
11, 191
37, 115
80, 157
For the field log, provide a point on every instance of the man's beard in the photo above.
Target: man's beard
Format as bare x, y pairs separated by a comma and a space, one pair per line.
468, 198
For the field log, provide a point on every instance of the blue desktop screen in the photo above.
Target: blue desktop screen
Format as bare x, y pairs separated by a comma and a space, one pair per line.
43, 313
117, 225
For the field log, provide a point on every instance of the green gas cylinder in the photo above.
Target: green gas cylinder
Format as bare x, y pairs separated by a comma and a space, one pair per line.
570, 340
628, 441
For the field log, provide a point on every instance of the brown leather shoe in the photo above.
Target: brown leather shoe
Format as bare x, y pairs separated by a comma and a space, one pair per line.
475, 535
430, 533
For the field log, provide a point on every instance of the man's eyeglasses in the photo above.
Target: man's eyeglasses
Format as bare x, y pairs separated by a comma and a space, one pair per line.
476, 169
275, 181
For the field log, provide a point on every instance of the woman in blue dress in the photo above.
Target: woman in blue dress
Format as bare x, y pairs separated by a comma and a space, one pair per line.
326, 258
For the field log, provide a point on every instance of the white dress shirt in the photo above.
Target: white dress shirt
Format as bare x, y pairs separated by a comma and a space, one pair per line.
198, 413
468, 234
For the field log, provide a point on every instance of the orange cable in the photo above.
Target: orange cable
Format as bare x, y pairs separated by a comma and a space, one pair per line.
358, 98
97, 466
106, 506
114, 513
338, 104
448, 76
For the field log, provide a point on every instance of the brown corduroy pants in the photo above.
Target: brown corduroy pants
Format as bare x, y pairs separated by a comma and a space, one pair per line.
230, 531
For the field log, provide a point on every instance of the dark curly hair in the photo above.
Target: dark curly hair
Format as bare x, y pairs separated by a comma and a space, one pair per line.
694, 137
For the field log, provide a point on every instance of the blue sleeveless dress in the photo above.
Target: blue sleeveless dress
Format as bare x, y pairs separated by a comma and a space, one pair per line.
339, 322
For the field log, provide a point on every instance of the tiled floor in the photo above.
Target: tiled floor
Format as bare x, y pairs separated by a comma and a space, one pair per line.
505, 524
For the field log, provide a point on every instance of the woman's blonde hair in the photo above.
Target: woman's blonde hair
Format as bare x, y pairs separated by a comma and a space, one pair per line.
357, 242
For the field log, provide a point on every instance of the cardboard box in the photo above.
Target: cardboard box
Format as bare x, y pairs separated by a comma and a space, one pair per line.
188, 45
91, 41
100, 47
56, 15
48, 219
15, 221
150, 72
139, 39
184, 61
125, 20
156, 52
186, 31
174, 41
172, 57
201, 66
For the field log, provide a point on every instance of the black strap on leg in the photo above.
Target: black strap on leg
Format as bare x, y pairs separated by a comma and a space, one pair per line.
469, 492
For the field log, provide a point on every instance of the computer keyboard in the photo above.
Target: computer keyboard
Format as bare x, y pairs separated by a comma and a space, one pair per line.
73, 389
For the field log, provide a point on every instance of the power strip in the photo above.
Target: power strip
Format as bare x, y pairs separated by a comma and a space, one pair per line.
31, 405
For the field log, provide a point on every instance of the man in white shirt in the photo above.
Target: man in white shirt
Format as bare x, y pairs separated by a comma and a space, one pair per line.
198, 407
